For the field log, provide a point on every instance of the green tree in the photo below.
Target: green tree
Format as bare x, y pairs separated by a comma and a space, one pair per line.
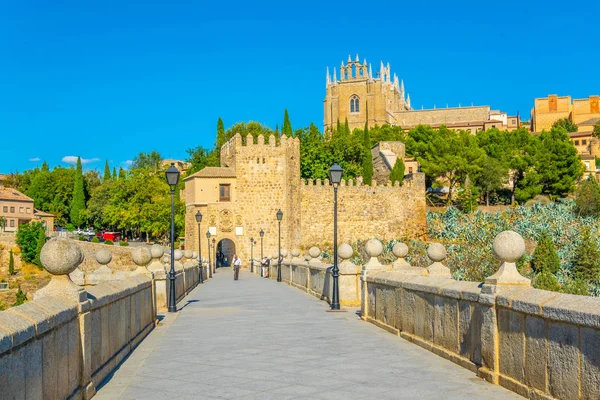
20, 298
545, 257
368, 157
467, 197
397, 173
27, 239
11, 264
150, 161
586, 260
287, 125
576, 286
121, 173
78, 202
492, 177
114, 174
546, 281
199, 158
596, 131
220, 135
41, 240
107, 175
587, 198
566, 124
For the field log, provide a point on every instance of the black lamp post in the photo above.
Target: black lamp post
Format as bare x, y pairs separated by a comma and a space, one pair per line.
252, 255
199, 220
262, 234
279, 218
215, 250
172, 175
208, 250
335, 177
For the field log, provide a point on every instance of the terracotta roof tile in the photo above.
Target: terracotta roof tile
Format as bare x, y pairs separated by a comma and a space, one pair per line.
12, 194
214, 172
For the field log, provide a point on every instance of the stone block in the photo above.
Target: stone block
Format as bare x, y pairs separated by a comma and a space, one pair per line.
475, 328
445, 322
580, 310
372, 301
12, 369
5, 341
471, 291
50, 366
427, 284
455, 289
563, 360
32, 362
531, 301
74, 353
465, 312
536, 354
62, 309
62, 351
488, 337
42, 318
511, 338
21, 329
408, 311
590, 363
424, 315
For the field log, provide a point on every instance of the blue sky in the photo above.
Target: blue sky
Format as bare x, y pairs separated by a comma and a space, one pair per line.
109, 79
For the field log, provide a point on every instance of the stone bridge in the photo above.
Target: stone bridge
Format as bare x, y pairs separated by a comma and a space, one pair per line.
429, 336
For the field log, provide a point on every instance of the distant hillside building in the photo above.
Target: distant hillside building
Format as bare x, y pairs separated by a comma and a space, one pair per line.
17, 209
360, 97
582, 112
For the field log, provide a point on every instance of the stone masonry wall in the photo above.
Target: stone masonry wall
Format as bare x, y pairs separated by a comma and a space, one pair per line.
443, 116
385, 212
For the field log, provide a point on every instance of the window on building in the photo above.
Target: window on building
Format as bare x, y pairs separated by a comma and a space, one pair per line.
28, 210
584, 142
577, 143
12, 209
21, 210
12, 223
493, 126
514, 121
587, 165
410, 170
354, 104
224, 192
5, 209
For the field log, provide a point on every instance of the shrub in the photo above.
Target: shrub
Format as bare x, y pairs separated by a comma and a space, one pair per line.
586, 258
11, 264
546, 281
20, 298
109, 242
2, 306
397, 173
539, 199
123, 244
545, 257
83, 238
576, 286
587, 198
95, 240
27, 239
40, 242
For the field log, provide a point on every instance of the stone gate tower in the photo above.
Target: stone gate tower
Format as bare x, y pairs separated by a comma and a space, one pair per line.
359, 96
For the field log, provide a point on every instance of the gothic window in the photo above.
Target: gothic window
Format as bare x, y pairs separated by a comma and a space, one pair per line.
354, 104
353, 71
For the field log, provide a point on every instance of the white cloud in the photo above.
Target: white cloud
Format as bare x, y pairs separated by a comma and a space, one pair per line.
128, 162
34, 159
73, 160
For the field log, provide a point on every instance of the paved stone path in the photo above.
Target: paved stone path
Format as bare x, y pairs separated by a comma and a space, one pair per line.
259, 339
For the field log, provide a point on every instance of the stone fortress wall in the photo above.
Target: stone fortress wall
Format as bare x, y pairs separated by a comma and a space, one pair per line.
386, 212
265, 176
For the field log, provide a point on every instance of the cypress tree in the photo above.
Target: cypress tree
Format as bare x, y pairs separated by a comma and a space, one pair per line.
107, 175
41, 240
587, 257
221, 139
21, 297
346, 128
338, 128
121, 173
397, 173
287, 126
368, 158
546, 281
45, 166
78, 201
11, 264
114, 175
545, 257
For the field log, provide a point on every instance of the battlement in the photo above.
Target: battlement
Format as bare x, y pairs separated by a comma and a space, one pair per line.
250, 146
410, 181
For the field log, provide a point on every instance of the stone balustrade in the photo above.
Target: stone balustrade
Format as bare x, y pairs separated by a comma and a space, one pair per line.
539, 344
80, 326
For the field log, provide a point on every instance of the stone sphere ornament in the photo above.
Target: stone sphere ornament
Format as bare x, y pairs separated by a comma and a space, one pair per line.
345, 251
103, 257
157, 251
188, 254
284, 253
178, 255
314, 252
141, 256
295, 253
374, 248
509, 246
60, 256
436, 252
400, 250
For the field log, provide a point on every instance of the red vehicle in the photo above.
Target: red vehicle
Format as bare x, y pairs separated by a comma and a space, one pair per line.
112, 236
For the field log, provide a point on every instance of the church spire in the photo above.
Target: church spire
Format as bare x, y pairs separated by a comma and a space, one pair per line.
408, 100
402, 88
327, 81
357, 58
334, 75
370, 72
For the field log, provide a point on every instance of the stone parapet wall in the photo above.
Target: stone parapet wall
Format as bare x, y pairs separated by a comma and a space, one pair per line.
54, 347
537, 343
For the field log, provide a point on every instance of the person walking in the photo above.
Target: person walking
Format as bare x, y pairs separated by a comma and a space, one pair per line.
237, 264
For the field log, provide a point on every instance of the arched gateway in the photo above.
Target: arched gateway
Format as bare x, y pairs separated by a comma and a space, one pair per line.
225, 252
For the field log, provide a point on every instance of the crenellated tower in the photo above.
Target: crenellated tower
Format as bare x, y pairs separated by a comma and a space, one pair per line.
359, 96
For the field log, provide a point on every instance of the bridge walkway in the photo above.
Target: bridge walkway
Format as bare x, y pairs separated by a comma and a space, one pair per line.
259, 339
